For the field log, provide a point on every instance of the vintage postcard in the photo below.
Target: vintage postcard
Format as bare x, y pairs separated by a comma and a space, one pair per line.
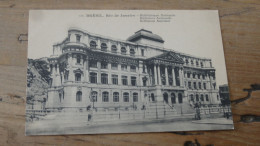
125, 71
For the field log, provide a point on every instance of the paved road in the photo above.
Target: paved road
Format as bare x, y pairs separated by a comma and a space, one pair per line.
45, 128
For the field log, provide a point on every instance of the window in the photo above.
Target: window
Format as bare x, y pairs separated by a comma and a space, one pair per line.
142, 52
123, 67
133, 68
217, 97
204, 84
93, 96
199, 85
114, 49
152, 97
133, 81
104, 78
124, 80
78, 38
201, 64
194, 85
93, 77
194, 76
114, 66
105, 97
191, 98
115, 97
78, 59
189, 85
104, 47
123, 51
135, 97
60, 96
93, 63
126, 97
132, 52
201, 97
198, 76
115, 79
197, 97
203, 77
78, 77
187, 61
93, 45
103, 65
188, 75
207, 97
78, 96
197, 63
192, 62
144, 81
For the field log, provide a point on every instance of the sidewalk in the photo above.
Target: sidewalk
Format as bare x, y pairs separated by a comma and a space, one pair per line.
222, 121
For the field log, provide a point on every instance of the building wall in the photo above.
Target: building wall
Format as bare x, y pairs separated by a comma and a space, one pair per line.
74, 54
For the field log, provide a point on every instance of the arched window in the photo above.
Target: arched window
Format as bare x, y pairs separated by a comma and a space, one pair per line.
123, 51
93, 77
104, 78
197, 97
199, 85
115, 97
207, 97
180, 98
135, 97
78, 59
152, 97
165, 97
104, 47
202, 97
78, 77
79, 96
113, 49
93, 45
105, 97
93, 96
173, 98
132, 52
126, 97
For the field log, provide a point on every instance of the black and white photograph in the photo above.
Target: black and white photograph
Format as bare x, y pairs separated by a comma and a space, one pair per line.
125, 71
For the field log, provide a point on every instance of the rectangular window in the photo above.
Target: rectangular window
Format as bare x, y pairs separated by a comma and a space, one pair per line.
115, 79
133, 81
189, 84
78, 38
204, 85
93, 77
114, 66
124, 67
124, 80
93, 64
104, 79
195, 85
133, 68
103, 65
142, 52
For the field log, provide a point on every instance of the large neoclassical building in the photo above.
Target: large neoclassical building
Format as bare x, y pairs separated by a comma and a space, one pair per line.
93, 70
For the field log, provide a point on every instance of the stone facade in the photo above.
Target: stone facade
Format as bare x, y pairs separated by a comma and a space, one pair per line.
91, 70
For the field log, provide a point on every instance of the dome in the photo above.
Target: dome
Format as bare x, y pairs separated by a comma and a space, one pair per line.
146, 34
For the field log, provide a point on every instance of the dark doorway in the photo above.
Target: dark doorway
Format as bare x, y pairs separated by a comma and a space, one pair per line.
165, 97
180, 98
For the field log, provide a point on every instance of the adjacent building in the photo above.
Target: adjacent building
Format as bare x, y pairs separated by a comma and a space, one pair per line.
90, 70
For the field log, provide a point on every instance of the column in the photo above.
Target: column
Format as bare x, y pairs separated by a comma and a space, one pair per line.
84, 70
71, 74
119, 75
57, 76
87, 70
166, 76
173, 77
159, 75
140, 71
109, 73
180, 78
155, 75
99, 73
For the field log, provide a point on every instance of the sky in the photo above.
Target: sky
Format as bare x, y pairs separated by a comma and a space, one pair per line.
193, 32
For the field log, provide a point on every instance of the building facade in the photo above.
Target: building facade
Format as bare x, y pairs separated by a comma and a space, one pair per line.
90, 70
